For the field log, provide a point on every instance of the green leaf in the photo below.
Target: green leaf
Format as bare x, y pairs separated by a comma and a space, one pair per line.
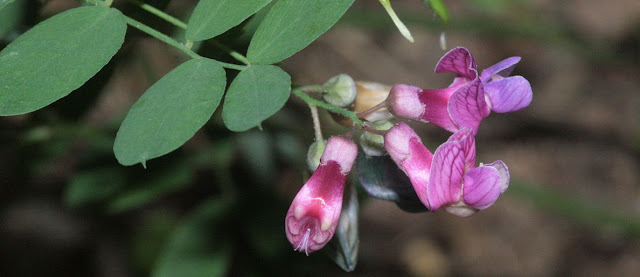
250, 27
93, 186
4, 3
439, 8
11, 17
198, 248
213, 17
254, 95
291, 25
170, 112
57, 56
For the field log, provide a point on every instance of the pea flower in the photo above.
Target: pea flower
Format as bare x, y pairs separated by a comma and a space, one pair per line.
470, 97
314, 213
448, 178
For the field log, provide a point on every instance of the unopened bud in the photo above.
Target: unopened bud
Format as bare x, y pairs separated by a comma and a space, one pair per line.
340, 91
369, 94
373, 144
314, 154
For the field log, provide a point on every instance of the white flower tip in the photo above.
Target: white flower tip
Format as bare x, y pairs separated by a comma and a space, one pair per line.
405, 102
341, 150
396, 141
461, 210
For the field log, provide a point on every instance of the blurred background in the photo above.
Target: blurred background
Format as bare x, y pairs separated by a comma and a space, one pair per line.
217, 204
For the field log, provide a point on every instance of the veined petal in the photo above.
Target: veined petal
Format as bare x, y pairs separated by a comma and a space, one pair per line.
460, 61
468, 106
404, 102
450, 163
436, 110
500, 70
509, 95
406, 149
481, 187
467, 141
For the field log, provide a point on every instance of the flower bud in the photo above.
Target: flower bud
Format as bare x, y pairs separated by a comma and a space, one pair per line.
314, 154
404, 102
368, 95
340, 91
373, 144
314, 213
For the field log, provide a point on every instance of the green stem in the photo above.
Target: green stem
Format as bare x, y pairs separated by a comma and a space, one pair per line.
314, 89
239, 57
151, 9
180, 24
162, 37
168, 40
311, 101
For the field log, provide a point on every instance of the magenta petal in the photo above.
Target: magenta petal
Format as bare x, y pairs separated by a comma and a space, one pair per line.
458, 60
450, 162
467, 141
500, 70
314, 213
412, 157
468, 107
482, 187
509, 94
436, 109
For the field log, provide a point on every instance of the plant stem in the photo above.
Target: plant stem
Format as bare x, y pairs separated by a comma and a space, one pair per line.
168, 40
239, 57
314, 89
180, 24
316, 122
368, 128
371, 110
311, 101
162, 37
151, 9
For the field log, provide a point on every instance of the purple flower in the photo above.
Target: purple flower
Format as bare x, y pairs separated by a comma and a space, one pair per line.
468, 99
314, 213
456, 184
448, 178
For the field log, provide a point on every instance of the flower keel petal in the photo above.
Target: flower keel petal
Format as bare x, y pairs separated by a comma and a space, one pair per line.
481, 187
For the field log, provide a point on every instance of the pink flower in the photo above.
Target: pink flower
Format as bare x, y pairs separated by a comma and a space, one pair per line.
407, 151
456, 184
314, 213
448, 178
468, 99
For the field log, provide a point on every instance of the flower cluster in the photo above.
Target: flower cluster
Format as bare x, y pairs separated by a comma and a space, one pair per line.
447, 178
